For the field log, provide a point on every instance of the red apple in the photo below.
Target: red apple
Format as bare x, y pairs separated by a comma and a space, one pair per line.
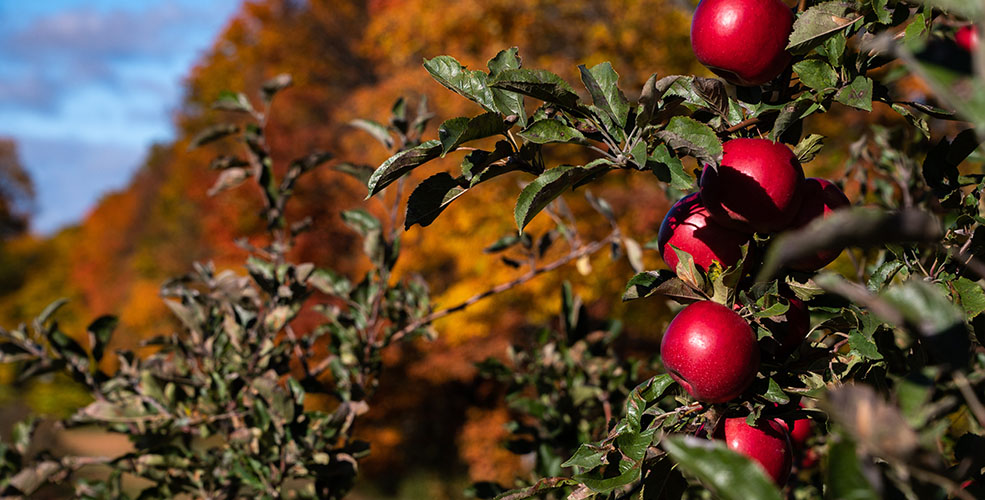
967, 37
757, 187
767, 443
743, 41
789, 333
821, 197
711, 351
687, 227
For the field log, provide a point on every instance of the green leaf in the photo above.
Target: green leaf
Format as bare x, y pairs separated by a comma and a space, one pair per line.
643, 394
544, 189
361, 220
819, 22
551, 130
924, 305
971, 295
508, 103
646, 284
587, 456
401, 163
692, 137
774, 394
668, 168
212, 134
232, 101
539, 489
602, 83
773, 310
808, 148
686, 270
882, 11
843, 473
430, 198
330, 282
728, 474
964, 8
100, 331
470, 84
271, 87
360, 172
539, 84
375, 129
50, 310
816, 74
863, 346
628, 468
457, 131
790, 114
857, 95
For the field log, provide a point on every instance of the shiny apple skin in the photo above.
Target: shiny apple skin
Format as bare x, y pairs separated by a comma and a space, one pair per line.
767, 443
820, 198
687, 226
967, 37
711, 351
757, 188
743, 41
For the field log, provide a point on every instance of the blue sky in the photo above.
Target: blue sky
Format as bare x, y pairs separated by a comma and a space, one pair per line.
87, 85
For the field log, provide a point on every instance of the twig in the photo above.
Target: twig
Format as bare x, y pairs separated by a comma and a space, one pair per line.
743, 124
968, 260
969, 396
529, 275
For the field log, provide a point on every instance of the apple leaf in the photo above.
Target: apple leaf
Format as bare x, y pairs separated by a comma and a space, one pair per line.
646, 284
858, 94
963, 8
728, 474
457, 131
471, 84
375, 129
549, 185
539, 84
816, 74
551, 130
686, 269
539, 488
689, 136
602, 83
815, 24
774, 393
843, 471
508, 103
808, 148
401, 163
668, 168
431, 197
971, 295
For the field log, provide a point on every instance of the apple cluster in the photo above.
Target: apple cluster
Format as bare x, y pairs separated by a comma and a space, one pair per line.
708, 348
759, 188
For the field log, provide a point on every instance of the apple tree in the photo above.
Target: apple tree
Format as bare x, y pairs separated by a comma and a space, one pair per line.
792, 367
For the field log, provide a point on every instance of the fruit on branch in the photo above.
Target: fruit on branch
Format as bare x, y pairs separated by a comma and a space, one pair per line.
820, 198
688, 227
743, 41
967, 37
757, 188
711, 351
789, 331
767, 443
